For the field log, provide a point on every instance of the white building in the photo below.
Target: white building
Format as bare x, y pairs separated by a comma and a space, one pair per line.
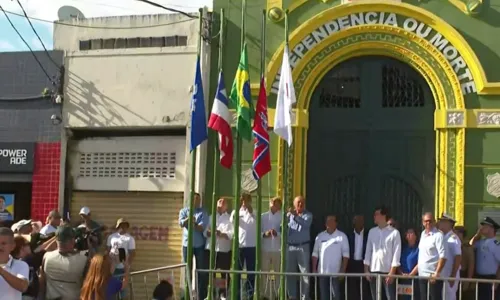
128, 85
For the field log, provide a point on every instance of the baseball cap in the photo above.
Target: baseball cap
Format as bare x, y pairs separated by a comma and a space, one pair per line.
16, 226
65, 234
121, 221
85, 211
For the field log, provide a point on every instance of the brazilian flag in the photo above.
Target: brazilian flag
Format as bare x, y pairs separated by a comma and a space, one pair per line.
241, 97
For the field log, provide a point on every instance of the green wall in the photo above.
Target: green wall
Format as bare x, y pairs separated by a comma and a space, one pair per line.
480, 32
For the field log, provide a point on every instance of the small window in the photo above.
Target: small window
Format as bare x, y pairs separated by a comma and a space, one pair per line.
96, 44
400, 89
341, 89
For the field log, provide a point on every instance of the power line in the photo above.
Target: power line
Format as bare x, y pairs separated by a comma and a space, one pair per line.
36, 33
168, 8
96, 27
27, 45
128, 8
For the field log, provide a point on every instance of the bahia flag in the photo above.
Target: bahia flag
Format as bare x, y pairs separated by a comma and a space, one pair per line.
198, 119
241, 98
261, 155
220, 121
285, 101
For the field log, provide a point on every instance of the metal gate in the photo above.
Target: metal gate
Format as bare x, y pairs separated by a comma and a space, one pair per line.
371, 142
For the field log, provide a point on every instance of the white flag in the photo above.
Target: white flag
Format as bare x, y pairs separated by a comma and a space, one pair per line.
285, 101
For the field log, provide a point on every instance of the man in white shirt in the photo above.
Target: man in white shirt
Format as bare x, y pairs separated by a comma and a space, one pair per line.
431, 259
330, 255
271, 245
121, 240
453, 255
53, 221
383, 253
247, 240
223, 237
14, 273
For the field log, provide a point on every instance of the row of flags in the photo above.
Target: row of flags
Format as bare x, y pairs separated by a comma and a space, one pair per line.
240, 98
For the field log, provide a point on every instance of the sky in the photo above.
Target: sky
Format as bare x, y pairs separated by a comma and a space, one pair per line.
47, 10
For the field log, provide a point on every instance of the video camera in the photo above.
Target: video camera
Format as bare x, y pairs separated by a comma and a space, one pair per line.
83, 237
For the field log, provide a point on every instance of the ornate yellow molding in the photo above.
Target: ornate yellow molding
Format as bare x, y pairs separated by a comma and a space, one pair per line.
467, 118
451, 34
470, 9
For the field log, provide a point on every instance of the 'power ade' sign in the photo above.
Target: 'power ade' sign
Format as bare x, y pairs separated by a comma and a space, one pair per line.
16, 157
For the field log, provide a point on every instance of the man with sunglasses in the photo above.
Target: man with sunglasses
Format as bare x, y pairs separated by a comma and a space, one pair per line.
431, 259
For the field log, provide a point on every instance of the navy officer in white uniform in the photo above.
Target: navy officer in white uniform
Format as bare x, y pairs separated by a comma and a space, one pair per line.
487, 256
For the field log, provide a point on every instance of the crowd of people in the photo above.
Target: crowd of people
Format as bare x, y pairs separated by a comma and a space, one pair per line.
58, 261
435, 254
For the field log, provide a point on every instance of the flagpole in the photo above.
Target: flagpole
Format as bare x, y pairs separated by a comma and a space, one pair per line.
193, 184
215, 189
284, 219
237, 187
258, 248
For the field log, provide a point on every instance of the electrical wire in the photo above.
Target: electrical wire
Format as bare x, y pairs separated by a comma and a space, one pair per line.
168, 8
27, 45
96, 27
38, 36
128, 8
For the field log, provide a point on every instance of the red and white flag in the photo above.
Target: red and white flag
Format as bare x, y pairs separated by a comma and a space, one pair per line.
261, 155
220, 121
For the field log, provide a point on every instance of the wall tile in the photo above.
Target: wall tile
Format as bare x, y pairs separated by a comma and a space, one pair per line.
45, 188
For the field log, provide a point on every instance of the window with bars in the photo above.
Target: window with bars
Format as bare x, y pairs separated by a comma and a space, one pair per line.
400, 89
127, 165
343, 89
137, 42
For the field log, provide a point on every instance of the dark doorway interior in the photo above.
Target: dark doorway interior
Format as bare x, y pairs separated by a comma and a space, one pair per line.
371, 141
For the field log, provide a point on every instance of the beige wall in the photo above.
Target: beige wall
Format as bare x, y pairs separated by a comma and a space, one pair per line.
126, 88
133, 88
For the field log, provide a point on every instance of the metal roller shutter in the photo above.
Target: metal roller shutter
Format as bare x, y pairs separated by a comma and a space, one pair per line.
153, 220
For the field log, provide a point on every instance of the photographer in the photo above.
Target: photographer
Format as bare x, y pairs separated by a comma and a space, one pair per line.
62, 271
91, 226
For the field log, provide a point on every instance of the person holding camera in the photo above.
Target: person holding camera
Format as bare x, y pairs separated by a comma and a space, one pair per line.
121, 248
92, 227
62, 271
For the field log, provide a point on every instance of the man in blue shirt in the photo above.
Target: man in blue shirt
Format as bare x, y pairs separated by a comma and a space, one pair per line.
298, 248
200, 220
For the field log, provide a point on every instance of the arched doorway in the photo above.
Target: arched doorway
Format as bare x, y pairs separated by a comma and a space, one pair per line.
371, 141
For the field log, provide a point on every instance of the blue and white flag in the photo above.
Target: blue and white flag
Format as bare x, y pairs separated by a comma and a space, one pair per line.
198, 119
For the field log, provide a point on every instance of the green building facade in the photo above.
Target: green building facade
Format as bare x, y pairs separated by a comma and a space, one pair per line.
398, 103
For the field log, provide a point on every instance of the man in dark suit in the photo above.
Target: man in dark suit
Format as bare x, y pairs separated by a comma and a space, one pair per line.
357, 247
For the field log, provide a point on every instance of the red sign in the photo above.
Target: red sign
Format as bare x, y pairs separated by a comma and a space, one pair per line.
147, 232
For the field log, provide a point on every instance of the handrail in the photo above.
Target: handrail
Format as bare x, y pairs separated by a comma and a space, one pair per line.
241, 272
158, 269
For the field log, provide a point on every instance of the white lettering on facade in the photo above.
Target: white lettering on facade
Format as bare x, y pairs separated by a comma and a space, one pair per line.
422, 30
15, 156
